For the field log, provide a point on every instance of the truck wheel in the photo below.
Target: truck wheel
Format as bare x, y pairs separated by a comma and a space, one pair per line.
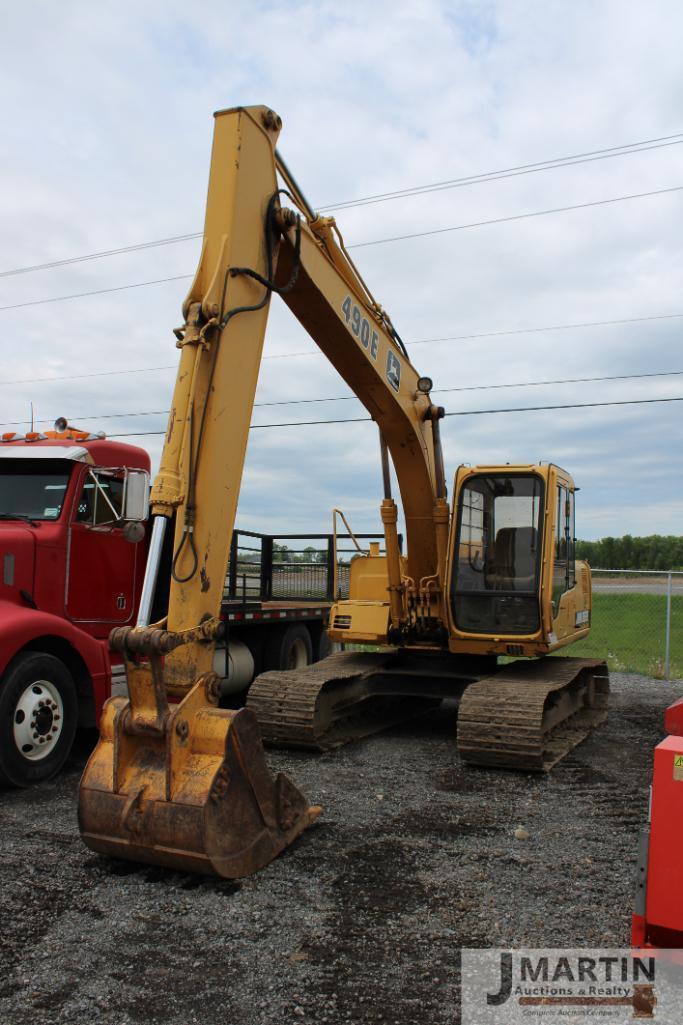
290, 648
38, 715
324, 646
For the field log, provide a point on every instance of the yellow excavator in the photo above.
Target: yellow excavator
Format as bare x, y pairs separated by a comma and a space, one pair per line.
487, 587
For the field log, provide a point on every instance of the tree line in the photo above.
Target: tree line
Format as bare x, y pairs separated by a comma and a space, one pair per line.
281, 553
657, 551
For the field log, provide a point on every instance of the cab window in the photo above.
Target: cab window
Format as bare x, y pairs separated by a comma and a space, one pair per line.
498, 534
564, 569
497, 554
32, 488
101, 500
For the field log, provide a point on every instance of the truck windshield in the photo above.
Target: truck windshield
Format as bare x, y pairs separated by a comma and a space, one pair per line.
32, 488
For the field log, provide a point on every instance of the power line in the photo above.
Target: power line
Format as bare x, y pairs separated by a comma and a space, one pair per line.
374, 242
97, 291
81, 377
134, 247
352, 398
416, 190
94, 416
568, 405
467, 412
512, 331
417, 341
510, 172
515, 217
482, 387
550, 327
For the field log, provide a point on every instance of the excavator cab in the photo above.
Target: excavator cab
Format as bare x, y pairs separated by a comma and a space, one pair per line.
515, 589
515, 585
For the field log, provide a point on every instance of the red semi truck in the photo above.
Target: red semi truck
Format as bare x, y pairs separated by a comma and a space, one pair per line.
73, 547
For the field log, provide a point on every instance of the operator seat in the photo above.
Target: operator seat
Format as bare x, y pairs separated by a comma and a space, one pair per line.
513, 566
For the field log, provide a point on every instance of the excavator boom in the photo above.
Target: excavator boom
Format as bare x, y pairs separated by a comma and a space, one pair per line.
174, 779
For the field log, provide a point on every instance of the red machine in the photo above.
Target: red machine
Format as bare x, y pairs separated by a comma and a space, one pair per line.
658, 917
73, 549
69, 502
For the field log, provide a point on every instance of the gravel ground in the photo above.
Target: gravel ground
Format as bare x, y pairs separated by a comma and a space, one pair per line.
362, 920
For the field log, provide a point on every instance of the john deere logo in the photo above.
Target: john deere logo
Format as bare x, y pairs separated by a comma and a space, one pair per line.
393, 370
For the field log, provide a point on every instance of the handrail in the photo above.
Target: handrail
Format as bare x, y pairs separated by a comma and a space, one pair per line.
335, 514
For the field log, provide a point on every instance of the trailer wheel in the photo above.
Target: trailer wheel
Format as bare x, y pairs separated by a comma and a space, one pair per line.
289, 648
38, 716
323, 648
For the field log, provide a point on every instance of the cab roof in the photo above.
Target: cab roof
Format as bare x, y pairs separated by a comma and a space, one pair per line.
76, 446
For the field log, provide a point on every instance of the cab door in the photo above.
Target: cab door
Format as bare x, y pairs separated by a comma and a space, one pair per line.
496, 549
564, 594
103, 566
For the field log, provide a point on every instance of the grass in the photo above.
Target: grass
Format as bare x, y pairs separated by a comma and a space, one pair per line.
629, 631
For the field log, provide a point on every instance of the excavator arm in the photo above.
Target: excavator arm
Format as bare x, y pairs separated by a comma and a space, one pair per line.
253, 247
180, 781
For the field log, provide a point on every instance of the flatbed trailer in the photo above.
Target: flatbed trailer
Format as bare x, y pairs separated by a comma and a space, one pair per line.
278, 592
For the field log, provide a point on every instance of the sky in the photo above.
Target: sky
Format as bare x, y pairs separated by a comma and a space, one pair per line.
106, 141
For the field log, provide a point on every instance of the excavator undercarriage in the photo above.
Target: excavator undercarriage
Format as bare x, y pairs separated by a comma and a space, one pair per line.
518, 716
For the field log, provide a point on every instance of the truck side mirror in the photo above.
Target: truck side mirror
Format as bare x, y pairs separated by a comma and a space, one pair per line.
135, 496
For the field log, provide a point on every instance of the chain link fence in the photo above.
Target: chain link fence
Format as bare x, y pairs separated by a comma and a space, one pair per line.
637, 622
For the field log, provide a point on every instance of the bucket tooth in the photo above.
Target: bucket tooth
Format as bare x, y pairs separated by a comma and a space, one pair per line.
198, 796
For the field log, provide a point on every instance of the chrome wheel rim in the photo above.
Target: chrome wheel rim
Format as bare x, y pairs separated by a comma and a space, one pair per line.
38, 720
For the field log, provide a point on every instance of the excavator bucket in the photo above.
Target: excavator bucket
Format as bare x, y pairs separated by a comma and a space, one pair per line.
188, 789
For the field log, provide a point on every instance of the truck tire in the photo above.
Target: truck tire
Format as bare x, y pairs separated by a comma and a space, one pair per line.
289, 647
38, 717
323, 646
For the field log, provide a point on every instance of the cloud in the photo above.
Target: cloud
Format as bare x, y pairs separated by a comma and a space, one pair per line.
107, 143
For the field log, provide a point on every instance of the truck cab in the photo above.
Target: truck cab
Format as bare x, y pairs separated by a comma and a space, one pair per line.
71, 506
